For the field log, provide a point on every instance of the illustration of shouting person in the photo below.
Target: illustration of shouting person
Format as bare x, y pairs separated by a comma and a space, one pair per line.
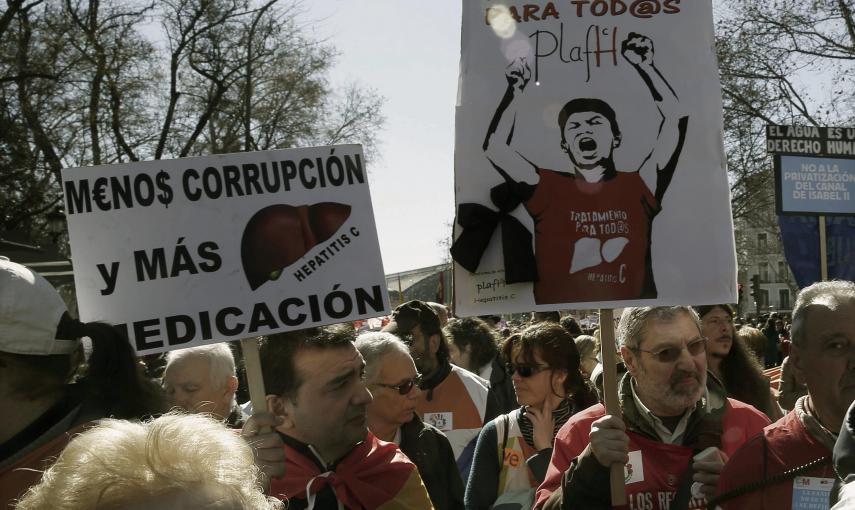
592, 223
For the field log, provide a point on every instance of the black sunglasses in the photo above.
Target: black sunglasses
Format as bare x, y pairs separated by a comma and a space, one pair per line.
671, 354
405, 387
524, 370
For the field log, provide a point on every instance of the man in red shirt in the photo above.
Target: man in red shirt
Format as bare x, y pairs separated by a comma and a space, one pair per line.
677, 430
800, 443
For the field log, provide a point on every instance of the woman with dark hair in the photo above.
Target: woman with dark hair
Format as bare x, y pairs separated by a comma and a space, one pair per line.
52, 390
513, 451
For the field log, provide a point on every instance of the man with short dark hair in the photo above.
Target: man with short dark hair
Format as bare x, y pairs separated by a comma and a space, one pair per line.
569, 323
474, 346
729, 361
770, 471
678, 426
453, 400
314, 381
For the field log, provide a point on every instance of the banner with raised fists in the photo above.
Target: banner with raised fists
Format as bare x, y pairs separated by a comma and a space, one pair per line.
589, 169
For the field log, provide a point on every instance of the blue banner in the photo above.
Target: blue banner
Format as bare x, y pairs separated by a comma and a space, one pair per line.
800, 235
815, 185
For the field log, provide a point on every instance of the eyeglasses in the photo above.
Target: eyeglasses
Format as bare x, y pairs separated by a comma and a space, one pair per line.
671, 354
525, 370
405, 387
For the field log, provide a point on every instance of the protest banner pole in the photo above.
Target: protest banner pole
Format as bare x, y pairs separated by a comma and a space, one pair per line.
823, 255
610, 396
254, 379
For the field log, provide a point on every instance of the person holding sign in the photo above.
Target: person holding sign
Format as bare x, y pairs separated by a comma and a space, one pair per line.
678, 425
790, 464
592, 221
314, 379
48, 390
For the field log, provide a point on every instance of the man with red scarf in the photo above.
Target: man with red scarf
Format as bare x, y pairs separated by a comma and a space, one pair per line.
315, 384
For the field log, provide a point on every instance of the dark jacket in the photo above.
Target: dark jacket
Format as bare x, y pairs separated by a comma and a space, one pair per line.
771, 353
431, 452
502, 387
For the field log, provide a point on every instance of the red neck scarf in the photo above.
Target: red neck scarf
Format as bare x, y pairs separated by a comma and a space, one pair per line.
372, 474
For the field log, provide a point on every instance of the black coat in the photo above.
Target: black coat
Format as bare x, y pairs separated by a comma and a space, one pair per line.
431, 452
502, 387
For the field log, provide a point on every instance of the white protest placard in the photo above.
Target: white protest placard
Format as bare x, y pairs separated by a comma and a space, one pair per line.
199, 250
589, 165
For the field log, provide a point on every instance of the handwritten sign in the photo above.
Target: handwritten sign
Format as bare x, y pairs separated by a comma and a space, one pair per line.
589, 169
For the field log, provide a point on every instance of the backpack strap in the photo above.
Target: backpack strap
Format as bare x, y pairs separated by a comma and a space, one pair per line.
506, 424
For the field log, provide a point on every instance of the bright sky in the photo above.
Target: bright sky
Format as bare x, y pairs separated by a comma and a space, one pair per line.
409, 52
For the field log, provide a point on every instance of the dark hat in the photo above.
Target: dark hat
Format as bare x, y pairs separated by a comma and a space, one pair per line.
411, 314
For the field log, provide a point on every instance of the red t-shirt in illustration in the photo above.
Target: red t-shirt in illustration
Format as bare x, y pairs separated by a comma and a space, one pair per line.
592, 240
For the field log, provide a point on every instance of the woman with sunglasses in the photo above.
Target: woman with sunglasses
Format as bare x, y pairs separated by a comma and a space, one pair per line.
513, 451
393, 381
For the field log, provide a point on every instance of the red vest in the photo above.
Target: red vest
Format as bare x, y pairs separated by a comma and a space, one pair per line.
788, 445
654, 467
27, 471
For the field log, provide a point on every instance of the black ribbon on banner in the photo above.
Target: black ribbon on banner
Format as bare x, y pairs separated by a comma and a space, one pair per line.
479, 222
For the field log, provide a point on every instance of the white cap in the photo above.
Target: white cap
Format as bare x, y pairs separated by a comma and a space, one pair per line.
30, 311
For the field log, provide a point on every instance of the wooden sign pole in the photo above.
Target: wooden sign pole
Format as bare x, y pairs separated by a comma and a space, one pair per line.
254, 379
610, 396
823, 255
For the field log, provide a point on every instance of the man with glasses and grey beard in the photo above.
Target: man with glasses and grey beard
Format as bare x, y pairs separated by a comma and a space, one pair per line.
391, 376
454, 400
678, 426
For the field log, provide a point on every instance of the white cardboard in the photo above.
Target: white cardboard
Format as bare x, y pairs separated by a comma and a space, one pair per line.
349, 259
693, 257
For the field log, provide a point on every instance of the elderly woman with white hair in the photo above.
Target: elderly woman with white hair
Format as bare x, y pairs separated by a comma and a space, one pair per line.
391, 376
177, 461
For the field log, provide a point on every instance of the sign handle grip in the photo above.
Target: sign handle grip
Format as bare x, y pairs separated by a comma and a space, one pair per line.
612, 401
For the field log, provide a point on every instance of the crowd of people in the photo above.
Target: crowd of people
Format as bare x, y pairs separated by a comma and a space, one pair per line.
434, 411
